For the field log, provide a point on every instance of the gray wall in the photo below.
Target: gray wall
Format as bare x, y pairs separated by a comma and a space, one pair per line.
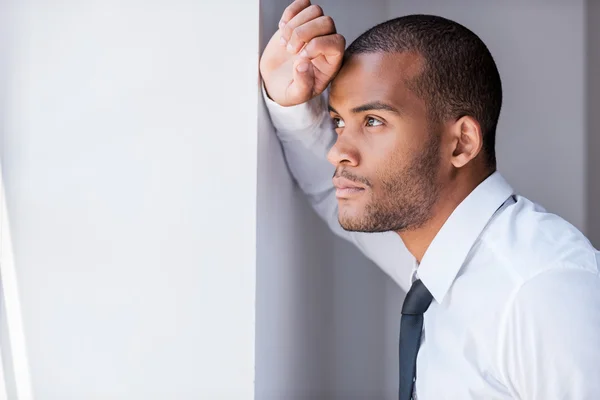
294, 300
361, 341
593, 120
318, 337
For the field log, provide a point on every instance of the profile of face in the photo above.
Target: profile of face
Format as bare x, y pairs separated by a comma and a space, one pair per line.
387, 153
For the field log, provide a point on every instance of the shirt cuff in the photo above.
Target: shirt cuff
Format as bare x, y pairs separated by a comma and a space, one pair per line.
290, 121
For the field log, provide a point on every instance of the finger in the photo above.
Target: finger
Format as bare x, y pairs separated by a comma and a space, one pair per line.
331, 47
292, 10
312, 29
302, 84
309, 13
326, 54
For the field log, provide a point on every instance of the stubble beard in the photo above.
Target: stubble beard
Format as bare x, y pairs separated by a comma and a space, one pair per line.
402, 200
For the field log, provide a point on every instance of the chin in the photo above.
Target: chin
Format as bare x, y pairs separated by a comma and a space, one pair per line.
352, 219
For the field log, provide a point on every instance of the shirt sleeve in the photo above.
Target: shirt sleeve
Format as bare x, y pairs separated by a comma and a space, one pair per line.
550, 345
306, 134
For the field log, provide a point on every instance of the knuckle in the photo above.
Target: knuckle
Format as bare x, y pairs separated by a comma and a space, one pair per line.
319, 44
336, 41
287, 12
300, 33
288, 31
316, 10
294, 8
313, 46
326, 44
328, 21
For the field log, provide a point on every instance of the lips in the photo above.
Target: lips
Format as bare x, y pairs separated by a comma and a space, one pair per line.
346, 188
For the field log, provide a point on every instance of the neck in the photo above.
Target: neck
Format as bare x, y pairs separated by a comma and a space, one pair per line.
418, 240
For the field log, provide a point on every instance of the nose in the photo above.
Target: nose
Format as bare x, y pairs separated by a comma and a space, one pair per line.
343, 152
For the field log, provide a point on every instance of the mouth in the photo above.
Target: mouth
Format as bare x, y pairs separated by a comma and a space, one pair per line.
346, 193
346, 189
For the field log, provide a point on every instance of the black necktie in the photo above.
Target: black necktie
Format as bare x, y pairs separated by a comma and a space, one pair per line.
416, 303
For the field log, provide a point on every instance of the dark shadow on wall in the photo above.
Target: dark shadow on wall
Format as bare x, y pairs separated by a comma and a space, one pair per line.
321, 305
294, 270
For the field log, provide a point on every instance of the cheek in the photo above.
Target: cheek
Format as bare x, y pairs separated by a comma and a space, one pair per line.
389, 154
397, 138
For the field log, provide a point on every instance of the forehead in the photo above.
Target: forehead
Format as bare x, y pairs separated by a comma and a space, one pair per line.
376, 76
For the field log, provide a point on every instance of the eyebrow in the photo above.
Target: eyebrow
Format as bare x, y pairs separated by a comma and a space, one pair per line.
373, 106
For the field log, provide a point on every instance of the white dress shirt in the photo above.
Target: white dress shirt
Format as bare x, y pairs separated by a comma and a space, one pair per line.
516, 309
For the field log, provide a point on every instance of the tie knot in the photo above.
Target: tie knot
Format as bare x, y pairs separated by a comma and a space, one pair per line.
417, 299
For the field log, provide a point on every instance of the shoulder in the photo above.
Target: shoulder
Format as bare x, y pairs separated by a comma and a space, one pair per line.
526, 241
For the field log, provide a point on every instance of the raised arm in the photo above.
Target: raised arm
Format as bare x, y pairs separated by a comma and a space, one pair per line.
298, 64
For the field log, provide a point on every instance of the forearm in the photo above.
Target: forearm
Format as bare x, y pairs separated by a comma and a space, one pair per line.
306, 135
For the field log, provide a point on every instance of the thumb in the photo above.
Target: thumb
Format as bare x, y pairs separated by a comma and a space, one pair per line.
302, 86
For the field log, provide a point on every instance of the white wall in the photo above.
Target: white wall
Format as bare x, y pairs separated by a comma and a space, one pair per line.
129, 155
15, 380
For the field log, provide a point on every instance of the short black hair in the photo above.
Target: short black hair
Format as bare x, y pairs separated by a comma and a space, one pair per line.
460, 76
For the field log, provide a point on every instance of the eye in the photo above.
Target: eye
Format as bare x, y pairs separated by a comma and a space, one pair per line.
338, 123
373, 122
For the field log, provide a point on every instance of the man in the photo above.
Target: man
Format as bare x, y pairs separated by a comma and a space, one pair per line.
507, 295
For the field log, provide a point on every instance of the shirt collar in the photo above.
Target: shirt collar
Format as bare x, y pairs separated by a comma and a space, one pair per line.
450, 247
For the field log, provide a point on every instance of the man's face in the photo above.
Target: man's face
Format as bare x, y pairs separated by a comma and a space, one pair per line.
387, 152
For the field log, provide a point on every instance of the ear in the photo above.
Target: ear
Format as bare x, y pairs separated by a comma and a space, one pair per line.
467, 140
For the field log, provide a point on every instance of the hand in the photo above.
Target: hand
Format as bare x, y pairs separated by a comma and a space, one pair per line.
303, 56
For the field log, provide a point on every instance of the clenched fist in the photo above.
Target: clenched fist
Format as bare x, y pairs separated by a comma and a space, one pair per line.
303, 56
